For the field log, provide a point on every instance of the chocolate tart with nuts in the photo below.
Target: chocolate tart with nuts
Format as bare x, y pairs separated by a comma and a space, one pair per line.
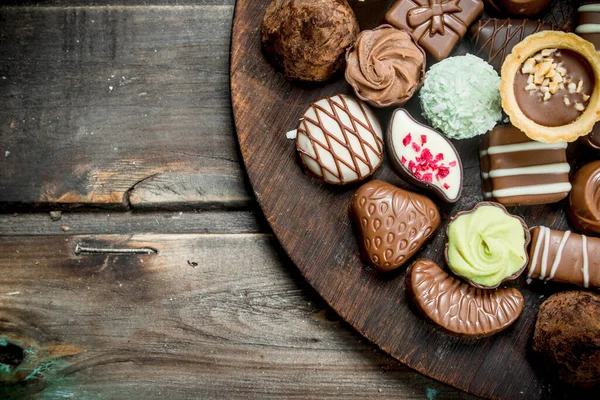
551, 86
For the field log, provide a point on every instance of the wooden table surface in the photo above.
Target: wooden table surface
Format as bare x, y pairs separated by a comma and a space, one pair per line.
155, 275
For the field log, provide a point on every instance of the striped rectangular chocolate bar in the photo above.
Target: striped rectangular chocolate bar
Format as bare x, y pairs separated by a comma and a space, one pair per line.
588, 26
516, 170
564, 257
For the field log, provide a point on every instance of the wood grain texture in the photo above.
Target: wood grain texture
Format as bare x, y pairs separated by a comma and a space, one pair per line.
311, 221
237, 325
104, 222
117, 106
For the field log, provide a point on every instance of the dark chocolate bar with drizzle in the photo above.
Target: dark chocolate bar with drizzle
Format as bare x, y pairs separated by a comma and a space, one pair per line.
493, 39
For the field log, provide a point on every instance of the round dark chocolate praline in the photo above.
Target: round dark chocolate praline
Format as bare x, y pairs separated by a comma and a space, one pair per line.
525, 232
554, 112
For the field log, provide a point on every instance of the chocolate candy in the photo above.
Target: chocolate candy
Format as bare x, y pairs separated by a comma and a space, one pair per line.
459, 308
437, 25
392, 224
517, 7
584, 201
385, 67
493, 39
554, 96
340, 140
306, 39
487, 245
589, 28
516, 170
567, 334
564, 257
424, 157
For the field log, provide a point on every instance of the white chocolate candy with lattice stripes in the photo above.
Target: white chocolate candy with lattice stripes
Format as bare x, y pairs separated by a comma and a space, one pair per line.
340, 140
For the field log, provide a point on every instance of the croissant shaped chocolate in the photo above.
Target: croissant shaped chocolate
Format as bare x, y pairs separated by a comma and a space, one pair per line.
459, 308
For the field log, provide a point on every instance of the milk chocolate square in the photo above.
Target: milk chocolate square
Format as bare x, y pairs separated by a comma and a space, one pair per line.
516, 170
436, 25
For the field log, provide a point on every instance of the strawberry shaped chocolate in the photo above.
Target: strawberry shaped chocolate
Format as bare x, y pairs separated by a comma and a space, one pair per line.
392, 224
424, 157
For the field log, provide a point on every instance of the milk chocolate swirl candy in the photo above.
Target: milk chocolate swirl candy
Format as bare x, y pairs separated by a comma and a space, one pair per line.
459, 308
424, 157
564, 257
493, 39
339, 140
487, 245
516, 170
584, 201
385, 67
392, 224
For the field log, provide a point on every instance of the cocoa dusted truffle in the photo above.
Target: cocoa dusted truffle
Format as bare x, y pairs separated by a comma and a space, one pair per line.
567, 332
307, 39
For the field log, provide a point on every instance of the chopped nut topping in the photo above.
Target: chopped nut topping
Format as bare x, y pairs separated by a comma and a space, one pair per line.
528, 66
547, 52
549, 76
530, 87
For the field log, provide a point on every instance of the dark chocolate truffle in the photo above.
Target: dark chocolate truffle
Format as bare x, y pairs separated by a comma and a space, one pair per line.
306, 39
567, 332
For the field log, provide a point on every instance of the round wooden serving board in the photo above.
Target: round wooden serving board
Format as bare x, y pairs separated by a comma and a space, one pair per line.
311, 221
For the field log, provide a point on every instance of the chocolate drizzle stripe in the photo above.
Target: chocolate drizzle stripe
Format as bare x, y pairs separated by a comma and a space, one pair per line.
589, 8
508, 148
588, 28
561, 247
329, 137
559, 168
530, 190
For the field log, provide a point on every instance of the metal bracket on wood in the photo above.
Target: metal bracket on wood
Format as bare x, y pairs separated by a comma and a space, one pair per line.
82, 249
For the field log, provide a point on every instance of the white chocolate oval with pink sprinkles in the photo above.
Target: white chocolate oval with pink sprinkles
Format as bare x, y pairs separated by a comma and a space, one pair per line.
424, 157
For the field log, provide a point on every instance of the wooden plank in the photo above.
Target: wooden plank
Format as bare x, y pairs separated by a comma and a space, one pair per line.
103, 222
117, 106
238, 324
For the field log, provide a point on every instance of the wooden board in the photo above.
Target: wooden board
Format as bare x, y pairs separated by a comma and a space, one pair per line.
311, 221
194, 321
117, 107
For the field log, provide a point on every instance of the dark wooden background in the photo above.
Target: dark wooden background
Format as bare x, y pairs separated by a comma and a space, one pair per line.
118, 114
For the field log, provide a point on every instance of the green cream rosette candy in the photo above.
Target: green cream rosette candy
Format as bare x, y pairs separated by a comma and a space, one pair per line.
487, 245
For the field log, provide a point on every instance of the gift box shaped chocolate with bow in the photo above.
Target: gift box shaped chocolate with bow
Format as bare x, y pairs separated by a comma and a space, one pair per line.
437, 25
